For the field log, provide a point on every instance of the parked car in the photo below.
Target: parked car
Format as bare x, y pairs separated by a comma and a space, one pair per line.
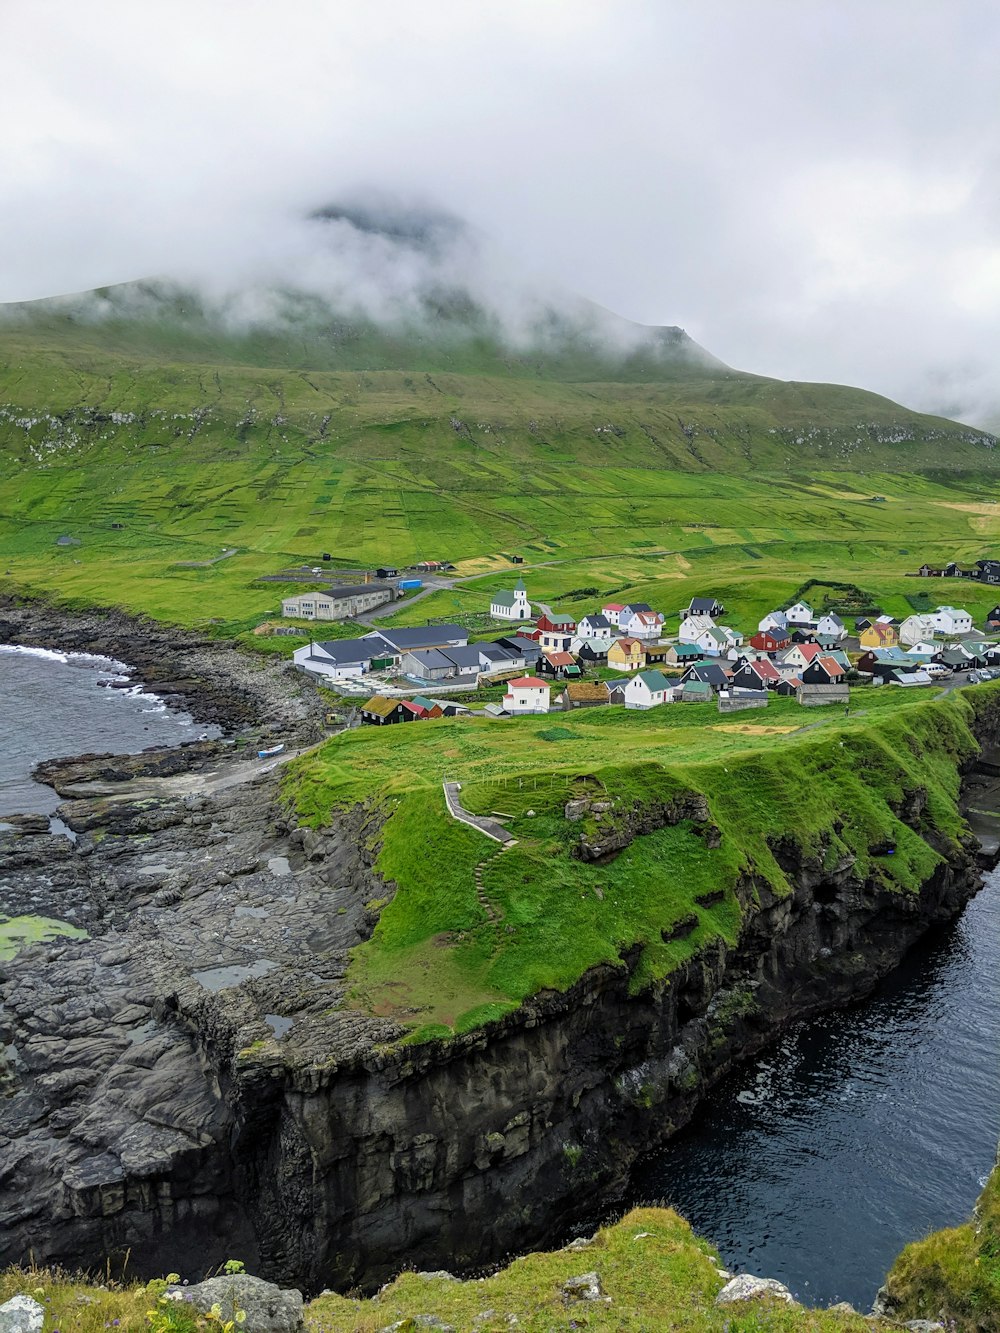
937, 670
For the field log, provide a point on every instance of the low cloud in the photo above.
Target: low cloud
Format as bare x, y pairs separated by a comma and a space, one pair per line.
810, 190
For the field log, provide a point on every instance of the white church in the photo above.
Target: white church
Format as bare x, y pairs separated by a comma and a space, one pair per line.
511, 605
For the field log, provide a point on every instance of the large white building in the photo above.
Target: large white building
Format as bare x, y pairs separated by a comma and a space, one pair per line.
337, 603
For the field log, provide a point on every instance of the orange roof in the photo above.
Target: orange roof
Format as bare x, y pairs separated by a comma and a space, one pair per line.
831, 666
560, 659
628, 645
528, 683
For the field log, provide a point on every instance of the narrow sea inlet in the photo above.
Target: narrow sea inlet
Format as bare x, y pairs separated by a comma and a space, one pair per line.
861, 1130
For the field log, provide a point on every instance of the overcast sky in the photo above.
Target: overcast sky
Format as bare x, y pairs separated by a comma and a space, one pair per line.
812, 189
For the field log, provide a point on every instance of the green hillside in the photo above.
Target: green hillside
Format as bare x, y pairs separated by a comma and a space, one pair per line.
156, 432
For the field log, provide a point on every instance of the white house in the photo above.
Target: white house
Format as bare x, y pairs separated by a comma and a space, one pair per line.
647, 689
612, 610
830, 626
773, 620
713, 641
692, 627
554, 641
951, 620
595, 626
733, 637
800, 614
340, 659
526, 694
916, 628
644, 625
511, 605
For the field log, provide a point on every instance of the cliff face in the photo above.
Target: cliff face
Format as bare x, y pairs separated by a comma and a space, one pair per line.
150, 1107
530, 1125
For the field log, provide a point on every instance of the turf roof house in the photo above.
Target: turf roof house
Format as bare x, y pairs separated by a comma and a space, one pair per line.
584, 694
511, 605
381, 711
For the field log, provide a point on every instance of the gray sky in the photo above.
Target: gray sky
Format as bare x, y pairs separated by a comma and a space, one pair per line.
811, 189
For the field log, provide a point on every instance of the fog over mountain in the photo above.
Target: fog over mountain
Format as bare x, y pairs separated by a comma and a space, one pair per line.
811, 191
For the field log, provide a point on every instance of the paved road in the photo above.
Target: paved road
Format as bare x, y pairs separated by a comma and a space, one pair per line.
488, 826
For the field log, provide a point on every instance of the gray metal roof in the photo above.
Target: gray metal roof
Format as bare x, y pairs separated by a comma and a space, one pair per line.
423, 636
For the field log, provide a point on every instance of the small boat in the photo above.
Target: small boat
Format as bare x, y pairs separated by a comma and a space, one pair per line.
269, 754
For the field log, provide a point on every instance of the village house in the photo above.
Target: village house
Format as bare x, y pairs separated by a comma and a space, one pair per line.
337, 603
656, 654
771, 640
593, 652
626, 655
558, 666
520, 646
494, 657
758, 674
344, 659
800, 614
713, 642
556, 622
878, 635
951, 621
915, 628
647, 689
774, 620
692, 627
526, 694
641, 624
682, 654
511, 605
823, 671
830, 627
993, 619
987, 571
612, 610
696, 692
702, 606
583, 694
429, 664
708, 673
380, 711
595, 626
554, 641
798, 656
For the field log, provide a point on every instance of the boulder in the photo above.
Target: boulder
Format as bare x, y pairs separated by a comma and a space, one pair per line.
923, 1325
586, 1287
21, 1314
745, 1287
268, 1308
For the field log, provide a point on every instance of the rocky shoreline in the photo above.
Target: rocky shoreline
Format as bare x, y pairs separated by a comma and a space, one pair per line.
212, 680
188, 1083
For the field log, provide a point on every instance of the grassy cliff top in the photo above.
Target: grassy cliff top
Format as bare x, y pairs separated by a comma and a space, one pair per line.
445, 958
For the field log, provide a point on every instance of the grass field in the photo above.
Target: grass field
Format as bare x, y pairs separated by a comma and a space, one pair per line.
828, 782
153, 445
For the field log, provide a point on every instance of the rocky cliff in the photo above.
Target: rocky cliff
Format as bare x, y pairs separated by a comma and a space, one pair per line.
188, 1082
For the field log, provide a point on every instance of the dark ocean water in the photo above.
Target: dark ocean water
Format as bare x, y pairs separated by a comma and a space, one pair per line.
51, 705
816, 1162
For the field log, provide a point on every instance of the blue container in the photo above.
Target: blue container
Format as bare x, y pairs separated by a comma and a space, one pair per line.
407, 584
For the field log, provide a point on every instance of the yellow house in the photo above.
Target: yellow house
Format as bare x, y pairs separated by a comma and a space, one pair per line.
627, 654
879, 636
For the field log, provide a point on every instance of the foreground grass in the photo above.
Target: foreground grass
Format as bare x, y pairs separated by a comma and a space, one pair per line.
445, 959
954, 1275
655, 1273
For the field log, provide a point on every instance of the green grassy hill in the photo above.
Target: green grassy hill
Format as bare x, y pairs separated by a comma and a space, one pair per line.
156, 431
